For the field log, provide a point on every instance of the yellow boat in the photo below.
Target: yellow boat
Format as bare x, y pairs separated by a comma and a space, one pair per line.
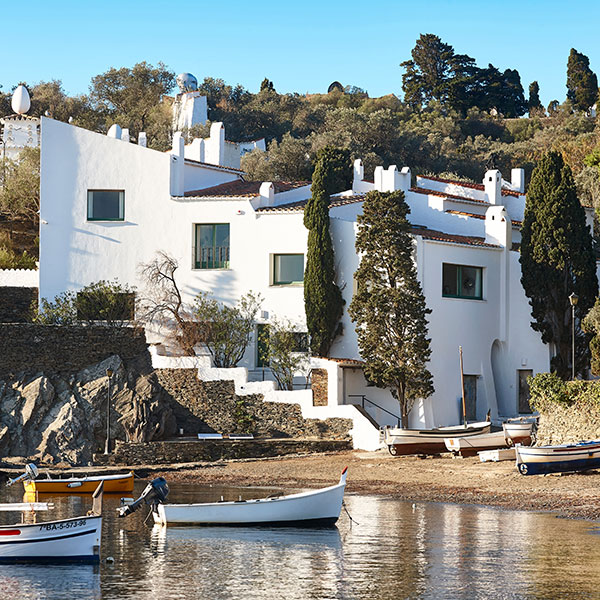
80, 485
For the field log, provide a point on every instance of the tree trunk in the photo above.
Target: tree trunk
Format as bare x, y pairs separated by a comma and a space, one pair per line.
402, 402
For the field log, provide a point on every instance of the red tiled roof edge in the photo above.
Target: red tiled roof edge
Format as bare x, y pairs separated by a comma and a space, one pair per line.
452, 238
428, 192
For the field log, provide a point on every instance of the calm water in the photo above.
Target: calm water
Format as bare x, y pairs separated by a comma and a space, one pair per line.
393, 550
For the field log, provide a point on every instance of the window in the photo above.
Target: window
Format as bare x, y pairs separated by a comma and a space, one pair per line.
300, 345
461, 281
106, 205
211, 246
288, 269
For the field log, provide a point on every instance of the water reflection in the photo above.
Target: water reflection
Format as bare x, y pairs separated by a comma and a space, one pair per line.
392, 550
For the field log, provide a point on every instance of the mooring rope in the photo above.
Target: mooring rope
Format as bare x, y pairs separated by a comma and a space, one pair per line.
349, 515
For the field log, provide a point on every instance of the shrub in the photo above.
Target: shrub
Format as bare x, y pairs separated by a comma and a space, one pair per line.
547, 389
9, 259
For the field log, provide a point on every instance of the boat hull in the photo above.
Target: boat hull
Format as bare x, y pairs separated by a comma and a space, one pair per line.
519, 433
83, 485
66, 540
402, 442
308, 509
558, 459
471, 445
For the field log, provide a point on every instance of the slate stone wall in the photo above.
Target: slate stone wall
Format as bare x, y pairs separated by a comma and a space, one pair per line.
16, 304
65, 349
207, 406
184, 451
319, 383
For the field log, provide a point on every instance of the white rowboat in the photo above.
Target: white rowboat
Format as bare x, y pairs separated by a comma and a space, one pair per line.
316, 507
66, 540
470, 446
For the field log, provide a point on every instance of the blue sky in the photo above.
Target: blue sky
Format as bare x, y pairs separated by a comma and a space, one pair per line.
300, 46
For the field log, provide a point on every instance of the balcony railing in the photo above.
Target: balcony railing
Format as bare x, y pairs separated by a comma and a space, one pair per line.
211, 257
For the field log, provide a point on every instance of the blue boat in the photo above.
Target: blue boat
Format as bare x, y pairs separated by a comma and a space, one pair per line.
558, 459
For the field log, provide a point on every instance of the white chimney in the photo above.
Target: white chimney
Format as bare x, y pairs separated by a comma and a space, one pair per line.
142, 139
177, 164
498, 227
378, 178
403, 180
359, 171
114, 131
195, 150
517, 180
125, 135
492, 184
267, 194
215, 145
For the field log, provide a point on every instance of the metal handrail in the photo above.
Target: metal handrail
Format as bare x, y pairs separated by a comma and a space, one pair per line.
385, 410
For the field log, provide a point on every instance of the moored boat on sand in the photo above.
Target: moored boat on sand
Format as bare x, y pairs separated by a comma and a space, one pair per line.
558, 459
471, 445
401, 442
320, 507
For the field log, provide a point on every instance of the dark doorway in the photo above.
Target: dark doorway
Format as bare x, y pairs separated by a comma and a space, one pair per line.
471, 397
524, 394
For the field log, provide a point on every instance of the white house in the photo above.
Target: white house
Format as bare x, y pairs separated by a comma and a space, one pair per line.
107, 206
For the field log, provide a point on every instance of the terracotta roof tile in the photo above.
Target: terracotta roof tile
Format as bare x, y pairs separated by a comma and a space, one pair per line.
299, 206
420, 190
244, 189
473, 186
440, 236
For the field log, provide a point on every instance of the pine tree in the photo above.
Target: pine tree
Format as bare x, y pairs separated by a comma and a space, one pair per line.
582, 83
323, 302
389, 307
556, 260
534, 104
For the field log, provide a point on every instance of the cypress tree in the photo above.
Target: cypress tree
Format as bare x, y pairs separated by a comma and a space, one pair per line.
389, 307
582, 83
557, 259
534, 104
323, 302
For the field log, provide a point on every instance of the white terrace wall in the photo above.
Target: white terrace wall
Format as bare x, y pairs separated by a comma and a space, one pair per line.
19, 278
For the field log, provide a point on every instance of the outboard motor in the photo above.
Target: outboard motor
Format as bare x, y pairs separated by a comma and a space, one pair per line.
154, 493
31, 472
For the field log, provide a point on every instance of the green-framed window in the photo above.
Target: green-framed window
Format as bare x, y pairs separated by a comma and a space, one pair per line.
106, 205
211, 246
462, 281
288, 269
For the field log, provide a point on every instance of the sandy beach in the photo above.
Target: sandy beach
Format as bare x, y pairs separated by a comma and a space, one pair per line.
432, 479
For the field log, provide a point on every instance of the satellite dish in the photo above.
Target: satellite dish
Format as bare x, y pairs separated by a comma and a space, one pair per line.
21, 102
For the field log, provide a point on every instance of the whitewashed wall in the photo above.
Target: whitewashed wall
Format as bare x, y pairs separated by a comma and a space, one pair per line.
19, 278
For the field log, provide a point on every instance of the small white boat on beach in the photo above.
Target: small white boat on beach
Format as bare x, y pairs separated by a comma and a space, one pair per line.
558, 459
512, 433
76, 539
307, 509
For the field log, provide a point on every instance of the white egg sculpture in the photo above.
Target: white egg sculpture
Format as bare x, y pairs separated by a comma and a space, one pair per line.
21, 102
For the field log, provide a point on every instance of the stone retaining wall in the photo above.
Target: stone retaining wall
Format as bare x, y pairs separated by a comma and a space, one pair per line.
173, 452
568, 424
16, 304
65, 349
205, 406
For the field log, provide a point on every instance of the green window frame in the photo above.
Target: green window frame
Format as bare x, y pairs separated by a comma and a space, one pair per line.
462, 281
288, 269
211, 246
106, 205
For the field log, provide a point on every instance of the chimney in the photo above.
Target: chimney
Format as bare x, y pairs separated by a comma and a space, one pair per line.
359, 172
114, 131
142, 139
267, 194
492, 184
177, 164
215, 145
517, 180
125, 135
195, 150
378, 178
498, 227
403, 179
